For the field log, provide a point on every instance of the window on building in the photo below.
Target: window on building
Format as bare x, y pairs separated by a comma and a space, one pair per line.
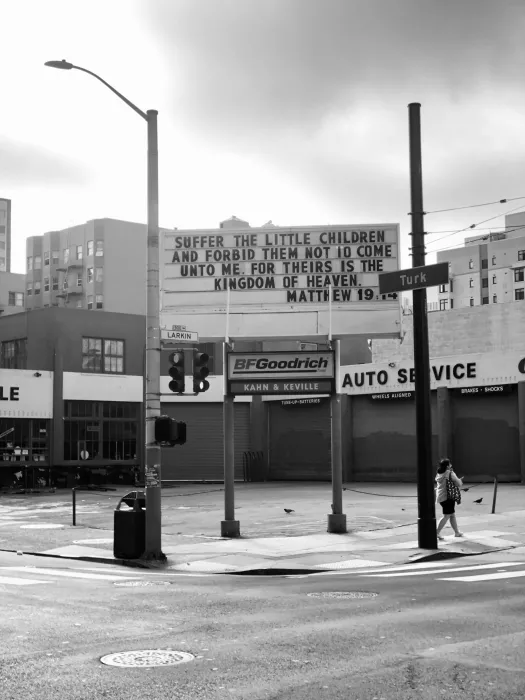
493, 259
65, 283
38, 286
519, 294
46, 258
55, 257
55, 284
29, 290
37, 262
99, 300
79, 252
521, 254
451, 286
485, 300
519, 274
99, 274
471, 283
29, 264
89, 252
90, 301
99, 248
484, 282
66, 255
494, 298
494, 279
105, 431
471, 264
46, 284
89, 275
2, 245
13, 354
16, 298
484, 263
79, 279
471, 301
452, 303
101, 355
442, 288
80, 304
442, 304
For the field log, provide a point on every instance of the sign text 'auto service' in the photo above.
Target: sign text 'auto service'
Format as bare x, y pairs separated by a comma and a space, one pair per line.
281, 373
279, 266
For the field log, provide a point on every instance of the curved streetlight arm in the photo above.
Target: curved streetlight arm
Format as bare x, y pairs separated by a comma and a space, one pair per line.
124, 99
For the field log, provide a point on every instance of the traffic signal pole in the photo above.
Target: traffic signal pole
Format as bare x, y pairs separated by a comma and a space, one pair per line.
229, 526
427, 536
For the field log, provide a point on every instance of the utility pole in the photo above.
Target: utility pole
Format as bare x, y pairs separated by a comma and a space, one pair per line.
427, 537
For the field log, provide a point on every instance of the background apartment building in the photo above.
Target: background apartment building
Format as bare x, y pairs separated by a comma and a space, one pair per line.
12, 285
97, 265
490, 269
5, 235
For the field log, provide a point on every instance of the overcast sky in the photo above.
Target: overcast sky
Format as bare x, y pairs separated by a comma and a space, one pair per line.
289, 110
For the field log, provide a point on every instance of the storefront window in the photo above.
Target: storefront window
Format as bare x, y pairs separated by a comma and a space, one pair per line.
27, 440
100, 430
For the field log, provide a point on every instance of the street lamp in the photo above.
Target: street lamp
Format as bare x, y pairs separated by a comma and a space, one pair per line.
152, 465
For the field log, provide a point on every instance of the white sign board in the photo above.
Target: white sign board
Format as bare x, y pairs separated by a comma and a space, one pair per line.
280, 282
175, 336
455, 371
26, 394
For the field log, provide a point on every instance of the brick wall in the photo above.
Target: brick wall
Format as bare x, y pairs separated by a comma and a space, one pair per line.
488, 328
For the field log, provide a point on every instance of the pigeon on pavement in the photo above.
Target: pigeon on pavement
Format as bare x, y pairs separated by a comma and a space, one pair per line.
289, 510
479, 500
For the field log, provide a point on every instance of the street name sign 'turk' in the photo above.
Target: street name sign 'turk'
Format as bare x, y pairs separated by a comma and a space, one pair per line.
414, 278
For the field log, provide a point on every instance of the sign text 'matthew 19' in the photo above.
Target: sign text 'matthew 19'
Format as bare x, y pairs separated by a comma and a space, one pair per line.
277, 266
414, 278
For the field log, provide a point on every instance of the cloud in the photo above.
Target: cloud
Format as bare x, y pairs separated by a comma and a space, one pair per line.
245, 67
27, 165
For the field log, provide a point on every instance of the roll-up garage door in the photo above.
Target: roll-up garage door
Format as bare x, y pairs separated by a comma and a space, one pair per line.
384, 439
202, 457
300, 442
486, 435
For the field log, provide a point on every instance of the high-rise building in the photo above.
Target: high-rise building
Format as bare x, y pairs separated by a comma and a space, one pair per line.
5, 235
97, 265
489, 269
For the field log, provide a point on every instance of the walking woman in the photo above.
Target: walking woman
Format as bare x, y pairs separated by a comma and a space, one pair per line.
445, 472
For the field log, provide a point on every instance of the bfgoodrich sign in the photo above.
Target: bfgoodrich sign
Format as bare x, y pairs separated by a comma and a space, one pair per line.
454, 372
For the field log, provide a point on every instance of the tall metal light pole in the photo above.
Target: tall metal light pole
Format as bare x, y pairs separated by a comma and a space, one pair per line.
152, 408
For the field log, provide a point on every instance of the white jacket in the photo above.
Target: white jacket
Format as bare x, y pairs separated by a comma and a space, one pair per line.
441, 484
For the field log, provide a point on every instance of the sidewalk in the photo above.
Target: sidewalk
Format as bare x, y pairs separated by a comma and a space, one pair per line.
381, 521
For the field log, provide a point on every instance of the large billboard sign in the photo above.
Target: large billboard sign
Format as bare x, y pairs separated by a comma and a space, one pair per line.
280, 373
277, 272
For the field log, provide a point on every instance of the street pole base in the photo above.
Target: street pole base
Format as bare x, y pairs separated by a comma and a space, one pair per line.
159, 557
230, 528
426, 532
337, 523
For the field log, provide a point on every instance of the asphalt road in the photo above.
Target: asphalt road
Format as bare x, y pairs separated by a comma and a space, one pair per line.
430, 631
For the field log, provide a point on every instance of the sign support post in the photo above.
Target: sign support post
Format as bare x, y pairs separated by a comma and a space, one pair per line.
229, 526
427, 536
336, 519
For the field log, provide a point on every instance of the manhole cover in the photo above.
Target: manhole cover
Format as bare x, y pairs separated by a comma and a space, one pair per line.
343, 594
146, 658
143, 583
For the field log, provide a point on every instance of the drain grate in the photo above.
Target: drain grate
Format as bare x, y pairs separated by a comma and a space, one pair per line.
343, 594
142, 583
146, 658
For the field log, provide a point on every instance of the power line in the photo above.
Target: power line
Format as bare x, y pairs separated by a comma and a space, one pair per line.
475, 225
473, 206
479, 228
458, 245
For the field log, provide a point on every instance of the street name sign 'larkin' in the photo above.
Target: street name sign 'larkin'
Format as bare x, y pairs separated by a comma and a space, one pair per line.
281, 372
414, 278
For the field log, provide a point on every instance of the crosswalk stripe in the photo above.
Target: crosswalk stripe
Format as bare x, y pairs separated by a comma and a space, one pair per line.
487, 577
438, 570
12, 581
69, 574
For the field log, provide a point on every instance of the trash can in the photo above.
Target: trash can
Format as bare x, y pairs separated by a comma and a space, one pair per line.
129, 537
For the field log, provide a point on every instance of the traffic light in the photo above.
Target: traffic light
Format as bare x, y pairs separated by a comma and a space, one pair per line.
200, 371
170, 432
176, 372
